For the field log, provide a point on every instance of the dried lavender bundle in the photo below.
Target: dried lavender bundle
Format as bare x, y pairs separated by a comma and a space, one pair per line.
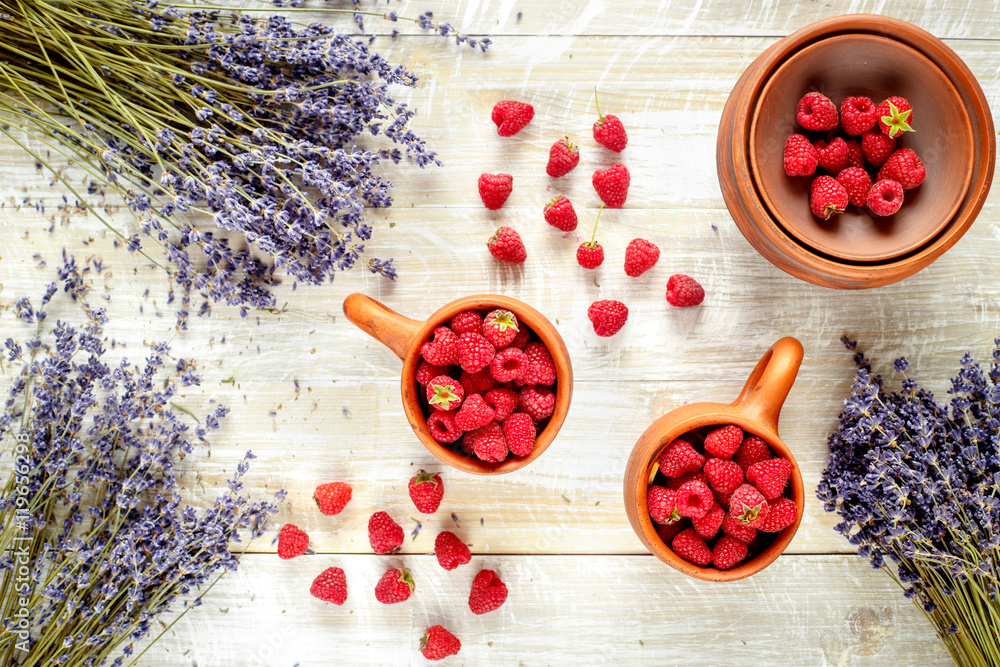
256, 122
917, 486
96, 538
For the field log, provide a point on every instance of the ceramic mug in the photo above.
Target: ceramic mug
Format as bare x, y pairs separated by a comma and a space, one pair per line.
404, 337
755, 411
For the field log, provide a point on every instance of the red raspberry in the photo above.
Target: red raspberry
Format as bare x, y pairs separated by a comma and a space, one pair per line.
488, 592
678, 458
694, 499
477, 383
728, 552
590, 255
669, 531
827, 197
541, 369
500, 328
508, 364
437, 643
855, 156
427, 372
781, 513
519, 432
817, 112
770, 477
708, 525
895, 116
684, 291
722, 498
292, 541
691, 546
640, 256
384, 534
662, 503
563, 158
877, 147
724, 475
608, 316
609, 131
612, 185
474, 352
330, 585
510, 117
857, 183
332, 497
832, 156
442, 349
858, 114
468, 443
748, 506
468, 321
494, 189
396, 585
474, 413
441, 424
885, 198
451, 551
538, 402
677, 482
751, 451
734, 528
489, 444
799, 158
904, 167
445, 393
507, 246
426, 491
560, 214
503, 402
723, 442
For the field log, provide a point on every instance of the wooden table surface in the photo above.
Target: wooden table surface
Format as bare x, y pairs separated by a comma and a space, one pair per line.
317, 400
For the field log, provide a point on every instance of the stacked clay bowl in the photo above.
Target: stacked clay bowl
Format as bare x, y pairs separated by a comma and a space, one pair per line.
869, 55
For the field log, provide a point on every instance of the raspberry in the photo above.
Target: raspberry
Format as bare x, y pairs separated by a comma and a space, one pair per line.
332, 497
500, 328
781, 514
678, 458
427, 372
609, 131
855, 156
441, 424
858, 114
560, 214
590, 255
724, 475
728, 552
640, 256
691, 546
608, 316
450, 551
510, 117
503, 401
494, 189
468, 321
538, 402
895, 116
827, 197
694, 499
437, 643
506, 245
489, 444
677, 482
708, 525
668, 532
508, 364
445, 393
292, 541
662, 504
748, 506
877, 147
751, 451
563, 158
817, 112
684, 291
488, 592
857, 183
426, 491
384, 534
723, 442
474, 352
770, 477
904, 167
734, 528
442, 349
477, 383
519, 433
474, 413
541, 369
799, 157
330, 585
612, 185
832, 156
885, 198
396, 585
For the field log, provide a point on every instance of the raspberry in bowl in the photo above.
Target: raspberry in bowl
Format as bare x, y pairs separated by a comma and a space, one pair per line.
486, 380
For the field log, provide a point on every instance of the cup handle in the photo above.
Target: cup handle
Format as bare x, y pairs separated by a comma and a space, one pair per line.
768, 385
382, 323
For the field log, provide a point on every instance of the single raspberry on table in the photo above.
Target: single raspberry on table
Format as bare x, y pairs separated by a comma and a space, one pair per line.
563, 158
877, 147
427, 372
445, 393
477, 383
538, 402
827, 197
474, 413
519, 433
607, 316
895, 116
426, 491
560, 213
728, 552
489, 444
510, 117
904, 167
509, 364
384, 534
662, 503
441, 424
885, 198
494, 189
709, 523
437, 643
506, 245
609, 130
396, 585
332, 497
724, 476
857, 183
752, 450
330, 585
858, 114
684, 291
292, 541
450, 551
488, 592
503, 402
690, 546
770, 477
832, 156
541, 368
442, 349
724, 442
855, 156
694, 499
748, 505
817, 112
612, 185
679, 457
781, 513
590, 254
640, 256
468, 321
474, 352
799, 157
500, 328
735, 528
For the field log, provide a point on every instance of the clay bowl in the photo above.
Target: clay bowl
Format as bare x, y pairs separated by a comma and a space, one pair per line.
756, 411
869, 65
754, 216
404, 337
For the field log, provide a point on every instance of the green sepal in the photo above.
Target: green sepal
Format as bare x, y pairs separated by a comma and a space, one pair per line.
897, 121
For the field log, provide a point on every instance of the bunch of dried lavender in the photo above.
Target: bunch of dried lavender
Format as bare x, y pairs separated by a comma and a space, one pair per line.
96, 539
917, 483
256, 122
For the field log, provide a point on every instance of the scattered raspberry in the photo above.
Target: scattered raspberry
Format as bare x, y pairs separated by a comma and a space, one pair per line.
723, 442
292, 541
488, 592
507, 246
885, 198
508, 364
691, 546
441, 424
474, 352
563, 158
590, 254
748, 506
538, 402
427, 372
332, 497
503, 402
684, 291
384, 534
724, 475
734, 528
709, 523
560, 214
904, 167
612, 185
477, 383
858, 114
752, 450
510, 117
500, 328
781, 514
489, 444
608, 316
468, 321
330, 586
857, 183
728, 552
541, 368
679, 457
451, 551
770, 477
855, 156
817, 112
445, 393
877, 147
827, 197
426, 491
662, 504
474, 413
519, 432
494, 189
640, 256
895, 116
396, 585
437, 643
442, 349
694, 499
799, 158
832, 156
609, 131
